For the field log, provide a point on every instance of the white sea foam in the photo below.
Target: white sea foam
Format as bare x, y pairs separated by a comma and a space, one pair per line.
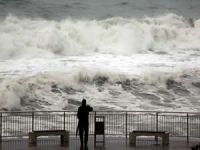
14, 92
25, 37
103, 90
116, 63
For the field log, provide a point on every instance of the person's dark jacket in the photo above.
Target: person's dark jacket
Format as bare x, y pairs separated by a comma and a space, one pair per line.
83, 113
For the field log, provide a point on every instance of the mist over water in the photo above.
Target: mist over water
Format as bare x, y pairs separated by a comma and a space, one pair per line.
136, 55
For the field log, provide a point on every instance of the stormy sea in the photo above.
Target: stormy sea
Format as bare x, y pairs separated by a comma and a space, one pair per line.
118, 54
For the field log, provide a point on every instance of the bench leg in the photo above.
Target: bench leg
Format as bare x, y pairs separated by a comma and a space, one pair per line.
64, 139
32, 139
165, 140
94, 140
132, 139
156, 139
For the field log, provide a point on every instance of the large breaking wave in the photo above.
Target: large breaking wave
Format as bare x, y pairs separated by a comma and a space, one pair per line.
107, 91
25, 37
166, 46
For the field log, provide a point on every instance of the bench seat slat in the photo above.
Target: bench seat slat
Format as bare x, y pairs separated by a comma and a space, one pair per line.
160, 132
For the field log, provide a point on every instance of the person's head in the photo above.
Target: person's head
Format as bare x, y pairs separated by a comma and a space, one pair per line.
84, 102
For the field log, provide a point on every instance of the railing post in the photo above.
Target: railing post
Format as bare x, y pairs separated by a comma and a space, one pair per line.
94, 129
95, 113
64, 120
126, 129
156, 138
32, 121
1, 128
156, 121
187, 128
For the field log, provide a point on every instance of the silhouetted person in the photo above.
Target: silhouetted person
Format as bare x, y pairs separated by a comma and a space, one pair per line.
83, 123
196, 147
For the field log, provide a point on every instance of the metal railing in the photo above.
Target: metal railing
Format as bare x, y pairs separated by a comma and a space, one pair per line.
117, 123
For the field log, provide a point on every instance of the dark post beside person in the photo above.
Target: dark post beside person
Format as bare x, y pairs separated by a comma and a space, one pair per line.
83, 122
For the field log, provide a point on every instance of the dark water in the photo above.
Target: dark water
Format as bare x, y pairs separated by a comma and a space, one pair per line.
95, 9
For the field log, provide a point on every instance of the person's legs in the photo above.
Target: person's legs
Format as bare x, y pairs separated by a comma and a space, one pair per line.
81, 134
86, 135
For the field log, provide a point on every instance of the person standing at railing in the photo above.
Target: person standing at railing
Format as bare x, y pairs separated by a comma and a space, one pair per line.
83, 121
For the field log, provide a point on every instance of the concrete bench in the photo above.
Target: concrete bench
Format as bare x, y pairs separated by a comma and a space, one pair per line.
64, 136
163, 135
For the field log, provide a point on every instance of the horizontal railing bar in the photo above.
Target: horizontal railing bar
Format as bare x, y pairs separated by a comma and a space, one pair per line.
102, 111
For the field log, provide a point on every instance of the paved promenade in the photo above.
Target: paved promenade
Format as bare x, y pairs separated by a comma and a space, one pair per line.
111, 144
